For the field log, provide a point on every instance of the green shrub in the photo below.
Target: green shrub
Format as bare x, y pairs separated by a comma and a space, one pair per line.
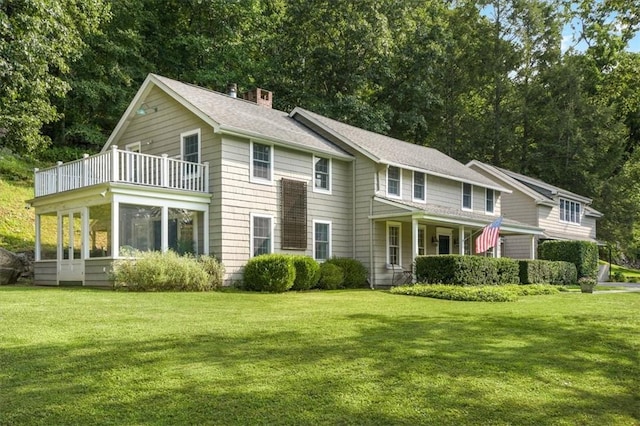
547, 272
506, 293
330, 276
583, 254
618, 277
214, 269
466, 270
306, 271
355, 274
157, 271
269, 272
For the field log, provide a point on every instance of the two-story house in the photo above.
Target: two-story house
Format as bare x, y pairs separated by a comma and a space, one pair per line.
197, 171
562, 214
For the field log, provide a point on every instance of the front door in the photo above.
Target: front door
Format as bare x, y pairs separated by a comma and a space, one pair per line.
444, 244
70, 249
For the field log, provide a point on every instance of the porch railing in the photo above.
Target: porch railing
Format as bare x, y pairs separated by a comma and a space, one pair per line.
123, 166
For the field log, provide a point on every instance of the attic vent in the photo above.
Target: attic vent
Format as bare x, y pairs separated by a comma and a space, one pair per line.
259, 96
294, 214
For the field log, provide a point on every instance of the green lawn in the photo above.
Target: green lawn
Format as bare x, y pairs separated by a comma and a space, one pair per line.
80, 356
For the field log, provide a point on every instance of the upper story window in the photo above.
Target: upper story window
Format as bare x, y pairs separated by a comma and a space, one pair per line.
490, 200
570, 211
394, 181
261, 163
467, 196
190, 146
419, 187
321, 174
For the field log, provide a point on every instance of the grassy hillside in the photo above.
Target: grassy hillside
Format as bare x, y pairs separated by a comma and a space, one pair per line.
17, 232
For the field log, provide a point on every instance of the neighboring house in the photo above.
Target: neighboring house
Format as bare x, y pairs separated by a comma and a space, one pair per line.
562, 214
201, 172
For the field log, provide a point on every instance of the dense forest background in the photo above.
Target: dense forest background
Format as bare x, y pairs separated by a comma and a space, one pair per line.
493, 80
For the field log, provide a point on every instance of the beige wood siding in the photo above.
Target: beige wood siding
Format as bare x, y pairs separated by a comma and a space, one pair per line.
550, 221
96, 272
45, 273
239, 197
518, 247
446, 192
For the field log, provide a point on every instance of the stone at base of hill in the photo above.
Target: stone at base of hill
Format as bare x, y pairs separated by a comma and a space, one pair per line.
12, 266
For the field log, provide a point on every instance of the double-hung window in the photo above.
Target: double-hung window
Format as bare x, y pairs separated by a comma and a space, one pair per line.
490, 201
393, 243
261, 234
394, 181
321, 174
261, 163
191, 146
467, 196
321, 240
570, 211
419, 187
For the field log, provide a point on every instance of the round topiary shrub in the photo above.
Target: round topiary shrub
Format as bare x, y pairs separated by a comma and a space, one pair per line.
306, 272
330, 276
355, 274
269, 272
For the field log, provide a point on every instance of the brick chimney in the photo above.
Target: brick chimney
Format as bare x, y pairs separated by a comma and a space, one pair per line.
259, 96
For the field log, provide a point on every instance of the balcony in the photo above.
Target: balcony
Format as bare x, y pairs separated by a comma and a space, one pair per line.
124, 167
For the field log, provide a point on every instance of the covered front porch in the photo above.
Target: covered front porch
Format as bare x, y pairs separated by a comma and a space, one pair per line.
400, 235
85, 218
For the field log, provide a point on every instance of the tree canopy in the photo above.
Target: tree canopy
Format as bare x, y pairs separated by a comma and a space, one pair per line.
493, 80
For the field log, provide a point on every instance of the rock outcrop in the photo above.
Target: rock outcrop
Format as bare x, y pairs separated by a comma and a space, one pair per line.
12, 266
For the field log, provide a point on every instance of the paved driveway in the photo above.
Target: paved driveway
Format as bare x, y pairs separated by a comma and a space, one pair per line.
627, 287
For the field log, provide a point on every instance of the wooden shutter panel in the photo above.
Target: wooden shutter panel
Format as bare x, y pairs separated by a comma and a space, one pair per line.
294, 214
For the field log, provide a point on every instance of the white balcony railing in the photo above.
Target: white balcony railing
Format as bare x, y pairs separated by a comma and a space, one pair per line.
123, 166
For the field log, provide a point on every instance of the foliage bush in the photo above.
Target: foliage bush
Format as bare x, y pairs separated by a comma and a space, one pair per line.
547, 272
618, 277
269, 272
355, 274
583, 254
506, 293
214, 269
157, 271
306, 272
330, 276
466, 270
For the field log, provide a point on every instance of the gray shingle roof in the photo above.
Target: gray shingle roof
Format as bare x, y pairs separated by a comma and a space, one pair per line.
245, 116
388, 150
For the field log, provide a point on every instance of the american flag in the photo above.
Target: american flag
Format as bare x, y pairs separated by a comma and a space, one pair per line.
489, 236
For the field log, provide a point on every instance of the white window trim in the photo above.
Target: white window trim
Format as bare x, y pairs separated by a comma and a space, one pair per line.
330, 180
578, 216
191, 133
390, 195
424, 238
386, 244
251, 233
468, 209
133, 147
330, 251
254, 179
486, 192
413, 187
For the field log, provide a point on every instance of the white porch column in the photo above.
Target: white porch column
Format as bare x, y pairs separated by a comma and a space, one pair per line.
205, 232
414, 238
84, 233
38, 242
461, 240
164, 224
115, 228
533, 247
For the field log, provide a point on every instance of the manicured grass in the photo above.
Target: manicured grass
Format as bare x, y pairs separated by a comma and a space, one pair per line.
80, 356
628, 272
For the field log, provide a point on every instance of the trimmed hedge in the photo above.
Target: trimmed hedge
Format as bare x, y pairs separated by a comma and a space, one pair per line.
269, 272
466, 270
583, 254
330, 276
355, 274
547, 272
306, 270
157, 271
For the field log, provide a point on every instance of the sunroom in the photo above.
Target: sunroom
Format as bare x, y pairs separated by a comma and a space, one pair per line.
111, 205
